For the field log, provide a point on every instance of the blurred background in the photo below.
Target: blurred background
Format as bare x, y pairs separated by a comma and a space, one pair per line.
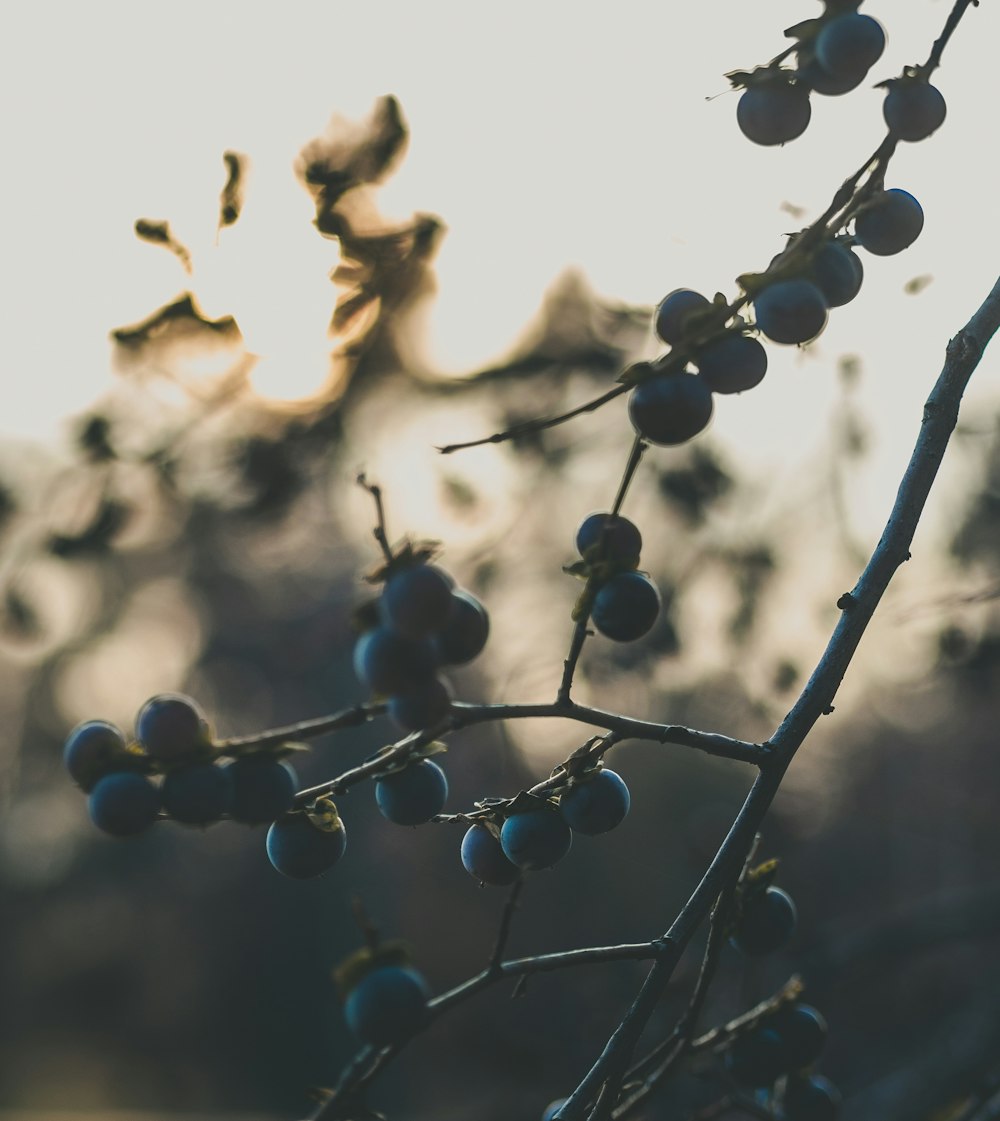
221, 304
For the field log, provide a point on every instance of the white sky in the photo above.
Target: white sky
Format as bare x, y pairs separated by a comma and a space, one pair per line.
545, 133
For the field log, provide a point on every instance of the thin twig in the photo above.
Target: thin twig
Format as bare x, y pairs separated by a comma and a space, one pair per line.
380, 532
505, 923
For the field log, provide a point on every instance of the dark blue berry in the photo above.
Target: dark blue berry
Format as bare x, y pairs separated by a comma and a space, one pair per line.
670, 408
889, 222
301, 850
92, 750
417, 600
413, 795
422, 706
829, 85
198, 794
483, 857
754, 1058
170, 726
790, 311
849, 45
673, 312
389, 662
263, 789
626, 606
123, 804
810, 1099
536, 839
464, 634
609, 537
597, 805
766, 923
774, 112
387, 1005
732, 364
837, 272
913, 110
803, 1034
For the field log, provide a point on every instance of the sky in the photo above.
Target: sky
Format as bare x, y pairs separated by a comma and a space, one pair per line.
546, 135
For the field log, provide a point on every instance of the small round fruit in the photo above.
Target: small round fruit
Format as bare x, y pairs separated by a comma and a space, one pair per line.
609, 537
889, 223
597, 805
417, 600
754, 1059
413, 795
732, 364
263, 789
837, 272
389, 662
670, 408
387, 1005
673, 312
199, 794
774, 113
301, 850
536, 839
766, 924
626, 606
553, 1108
92, 750
803, 1034
170, 726
483, 857
465, 633
790, 311
913, 110
850, 44
123, 804
810, 1099
422, 706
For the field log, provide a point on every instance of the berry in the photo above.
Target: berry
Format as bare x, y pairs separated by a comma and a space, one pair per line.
388, 662
464, 634
263, 789
850, 45
609, 537
387, 1005
810, 1099
673, 311
766, 923
774, 112
790, 311
413, 795
553, 1108
754, 1059
483, 857
417, 600
829, 85
199, 794
837, 272
92, 750
913, 110
170, 726
626, 606
670, 408
803, 1034
597, 805
536, 838
123, 804
732, 364
422, 706
301, 850
889, 222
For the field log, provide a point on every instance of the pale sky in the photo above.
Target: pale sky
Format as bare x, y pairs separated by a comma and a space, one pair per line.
546, 134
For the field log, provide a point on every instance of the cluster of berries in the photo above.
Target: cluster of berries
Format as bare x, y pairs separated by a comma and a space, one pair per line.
419, 623
834, 54
537, 833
